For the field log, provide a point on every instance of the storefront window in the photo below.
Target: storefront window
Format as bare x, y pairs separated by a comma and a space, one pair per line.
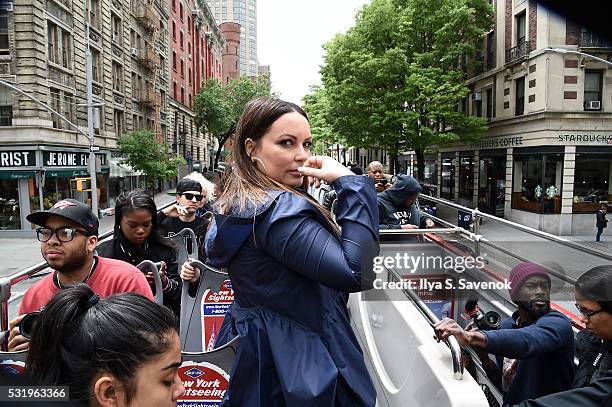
592, 182
466, 181
430, 172
447, 187
492, 184
537, 182
9, 205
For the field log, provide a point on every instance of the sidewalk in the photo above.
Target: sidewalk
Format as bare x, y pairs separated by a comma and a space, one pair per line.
19, 253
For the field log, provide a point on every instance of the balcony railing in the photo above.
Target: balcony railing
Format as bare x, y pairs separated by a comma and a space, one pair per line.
146, 97
147, 16
521, 50
149, 58
592, 40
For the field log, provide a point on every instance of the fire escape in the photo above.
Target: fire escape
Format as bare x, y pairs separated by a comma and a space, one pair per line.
150, 60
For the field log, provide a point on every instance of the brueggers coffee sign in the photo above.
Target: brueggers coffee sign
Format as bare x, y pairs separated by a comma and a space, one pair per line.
17, 159
498, 142
69, 159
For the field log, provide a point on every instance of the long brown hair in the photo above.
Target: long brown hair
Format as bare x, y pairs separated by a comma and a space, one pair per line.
243, 183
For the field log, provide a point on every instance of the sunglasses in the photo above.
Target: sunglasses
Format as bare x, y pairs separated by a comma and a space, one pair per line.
191, 196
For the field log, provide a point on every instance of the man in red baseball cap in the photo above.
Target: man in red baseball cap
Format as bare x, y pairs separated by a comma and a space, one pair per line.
68, 235
534, 348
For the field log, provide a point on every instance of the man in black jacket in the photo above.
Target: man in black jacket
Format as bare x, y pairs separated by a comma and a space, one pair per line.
398, 206
602, 222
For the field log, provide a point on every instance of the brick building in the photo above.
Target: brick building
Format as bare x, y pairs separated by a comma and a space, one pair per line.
196, 45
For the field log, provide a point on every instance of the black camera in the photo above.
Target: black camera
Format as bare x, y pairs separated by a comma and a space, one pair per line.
26, 325
485, 321
383, 182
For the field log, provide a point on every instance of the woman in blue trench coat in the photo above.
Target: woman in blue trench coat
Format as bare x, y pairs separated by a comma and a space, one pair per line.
291, 267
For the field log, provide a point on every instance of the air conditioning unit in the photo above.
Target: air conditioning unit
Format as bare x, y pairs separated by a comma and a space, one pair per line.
115, 37
134, 52
592, 105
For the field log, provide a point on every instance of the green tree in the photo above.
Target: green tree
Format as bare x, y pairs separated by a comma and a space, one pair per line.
316, 105
145, 154
393, 80
218, 107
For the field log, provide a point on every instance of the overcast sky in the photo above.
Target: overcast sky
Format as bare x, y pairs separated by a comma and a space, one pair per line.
290, 38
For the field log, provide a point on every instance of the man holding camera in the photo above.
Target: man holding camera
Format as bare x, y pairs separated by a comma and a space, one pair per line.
534, 348
398, 207
68, 234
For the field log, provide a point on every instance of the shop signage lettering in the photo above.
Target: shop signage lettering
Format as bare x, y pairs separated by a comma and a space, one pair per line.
16, 158
585, 138
498, 142
69, 159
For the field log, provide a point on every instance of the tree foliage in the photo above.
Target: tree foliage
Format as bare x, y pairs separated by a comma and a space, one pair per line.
145, 154
394, 79
218, 107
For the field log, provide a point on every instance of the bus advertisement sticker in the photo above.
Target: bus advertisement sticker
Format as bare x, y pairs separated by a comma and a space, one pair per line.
205, 384
215, 305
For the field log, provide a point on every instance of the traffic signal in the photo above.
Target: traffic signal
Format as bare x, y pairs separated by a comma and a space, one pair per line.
82, 184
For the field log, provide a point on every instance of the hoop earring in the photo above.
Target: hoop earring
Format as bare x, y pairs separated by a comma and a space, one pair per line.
255, 160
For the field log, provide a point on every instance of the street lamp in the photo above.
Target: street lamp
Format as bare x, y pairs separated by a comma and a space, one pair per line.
584, 54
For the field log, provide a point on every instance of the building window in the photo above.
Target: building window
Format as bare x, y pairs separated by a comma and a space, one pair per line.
182, 39
95, 65
6, 107
190, 76
183, 96
537, 182
181, 10
162, 98
430, 172
491, 50
93, 10
55, 105
466, 180
174, 31
9, 206
4, 33
592, 178
174, 5
117, 77
447, 187
520, 21
520, 96
592, 90
59, 45
174, 61
116, 29
490, 103
182, 68
174, 94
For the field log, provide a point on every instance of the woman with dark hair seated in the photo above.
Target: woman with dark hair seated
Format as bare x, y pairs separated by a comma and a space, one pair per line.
115, 351
138, 236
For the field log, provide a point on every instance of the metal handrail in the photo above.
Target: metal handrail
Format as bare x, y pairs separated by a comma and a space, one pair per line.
7, 282
451, 341
478, 214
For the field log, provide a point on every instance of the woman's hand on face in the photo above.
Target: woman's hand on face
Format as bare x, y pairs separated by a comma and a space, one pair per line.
318, 168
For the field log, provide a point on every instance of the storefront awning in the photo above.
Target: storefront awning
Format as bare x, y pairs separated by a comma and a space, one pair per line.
122, 170
17, 174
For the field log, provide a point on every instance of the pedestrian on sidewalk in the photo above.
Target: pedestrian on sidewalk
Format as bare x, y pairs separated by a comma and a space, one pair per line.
602, 222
